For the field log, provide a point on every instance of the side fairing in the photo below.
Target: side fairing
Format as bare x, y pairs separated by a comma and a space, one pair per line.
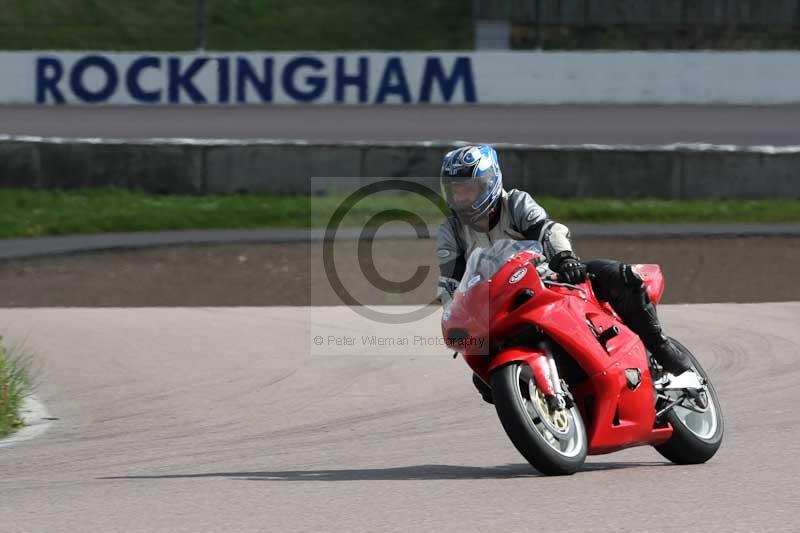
617, 414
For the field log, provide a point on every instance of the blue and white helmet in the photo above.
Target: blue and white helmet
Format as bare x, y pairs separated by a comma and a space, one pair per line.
472, 182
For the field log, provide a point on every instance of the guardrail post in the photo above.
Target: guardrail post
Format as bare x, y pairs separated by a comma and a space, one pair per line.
200, 33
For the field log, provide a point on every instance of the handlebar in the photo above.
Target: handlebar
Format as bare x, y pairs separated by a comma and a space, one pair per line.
557, 278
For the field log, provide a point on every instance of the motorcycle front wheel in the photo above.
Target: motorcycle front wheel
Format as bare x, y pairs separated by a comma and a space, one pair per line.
553, 442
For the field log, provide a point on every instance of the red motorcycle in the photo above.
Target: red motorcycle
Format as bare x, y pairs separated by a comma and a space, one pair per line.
567, 377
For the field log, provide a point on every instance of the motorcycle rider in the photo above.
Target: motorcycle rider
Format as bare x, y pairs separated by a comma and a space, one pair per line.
483, 212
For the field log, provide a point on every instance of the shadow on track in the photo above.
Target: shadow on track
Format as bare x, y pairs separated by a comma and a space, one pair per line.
402, 473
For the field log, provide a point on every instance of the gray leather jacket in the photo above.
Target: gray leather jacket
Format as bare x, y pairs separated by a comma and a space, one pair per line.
521, 218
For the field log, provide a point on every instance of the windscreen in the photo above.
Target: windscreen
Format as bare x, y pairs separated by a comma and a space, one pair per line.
484, 262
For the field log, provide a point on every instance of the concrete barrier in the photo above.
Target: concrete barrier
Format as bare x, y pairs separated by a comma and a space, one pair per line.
190, 166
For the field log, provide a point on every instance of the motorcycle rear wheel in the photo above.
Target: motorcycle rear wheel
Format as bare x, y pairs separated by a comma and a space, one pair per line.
696, 437
554, 443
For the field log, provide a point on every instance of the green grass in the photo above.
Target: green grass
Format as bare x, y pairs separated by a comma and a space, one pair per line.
27, 213
236, 24
14, 385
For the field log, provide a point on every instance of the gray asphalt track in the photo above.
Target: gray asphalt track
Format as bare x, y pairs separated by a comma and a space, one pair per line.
775, 125
230, 420
72, 244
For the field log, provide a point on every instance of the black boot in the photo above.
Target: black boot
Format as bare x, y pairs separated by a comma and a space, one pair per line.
643, 320
671, 358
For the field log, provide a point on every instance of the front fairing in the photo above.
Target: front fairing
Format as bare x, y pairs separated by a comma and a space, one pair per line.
489, 293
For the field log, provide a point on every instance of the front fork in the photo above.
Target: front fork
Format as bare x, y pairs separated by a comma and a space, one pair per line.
545, 373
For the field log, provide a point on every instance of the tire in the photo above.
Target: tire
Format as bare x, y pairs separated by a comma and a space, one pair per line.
510, 390
687, 447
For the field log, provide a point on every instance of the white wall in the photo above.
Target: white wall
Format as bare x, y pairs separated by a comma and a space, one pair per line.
47, 77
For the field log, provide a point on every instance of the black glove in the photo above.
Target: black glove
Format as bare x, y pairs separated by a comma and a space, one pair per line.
568, 267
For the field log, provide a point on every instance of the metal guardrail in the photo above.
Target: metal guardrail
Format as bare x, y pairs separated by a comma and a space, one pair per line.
655, 13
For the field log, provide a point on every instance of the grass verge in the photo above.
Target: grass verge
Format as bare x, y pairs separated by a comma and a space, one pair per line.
14, 386
28, 213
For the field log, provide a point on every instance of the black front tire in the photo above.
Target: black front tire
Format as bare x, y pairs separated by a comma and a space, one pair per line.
685, 447
509, 401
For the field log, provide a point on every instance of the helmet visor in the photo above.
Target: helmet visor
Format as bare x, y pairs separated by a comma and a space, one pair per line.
466, 196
